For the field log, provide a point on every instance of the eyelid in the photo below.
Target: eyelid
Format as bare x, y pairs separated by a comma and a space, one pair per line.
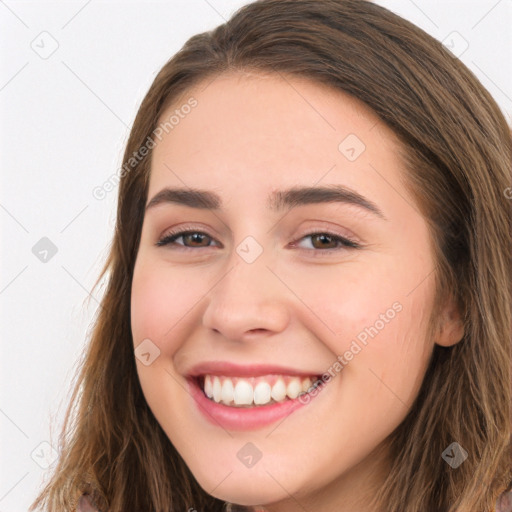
345, 242
332, 231
182, 231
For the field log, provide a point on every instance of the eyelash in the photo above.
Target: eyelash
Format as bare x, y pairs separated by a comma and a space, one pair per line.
346, 243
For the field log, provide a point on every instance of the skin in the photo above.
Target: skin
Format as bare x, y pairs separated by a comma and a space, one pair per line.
299, 306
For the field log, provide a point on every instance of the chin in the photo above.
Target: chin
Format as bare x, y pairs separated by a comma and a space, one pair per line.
243, 487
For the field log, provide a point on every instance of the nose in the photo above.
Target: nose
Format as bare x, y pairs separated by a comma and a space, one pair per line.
248, 300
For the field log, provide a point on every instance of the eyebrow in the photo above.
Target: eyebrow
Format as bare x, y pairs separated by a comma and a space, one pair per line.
277, 201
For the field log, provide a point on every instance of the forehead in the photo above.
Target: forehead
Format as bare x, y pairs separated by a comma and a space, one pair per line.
252, 133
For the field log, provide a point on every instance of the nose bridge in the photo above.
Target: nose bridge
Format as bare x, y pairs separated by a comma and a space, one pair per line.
248, 297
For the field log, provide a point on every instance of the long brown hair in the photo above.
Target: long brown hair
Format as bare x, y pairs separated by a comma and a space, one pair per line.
456, 149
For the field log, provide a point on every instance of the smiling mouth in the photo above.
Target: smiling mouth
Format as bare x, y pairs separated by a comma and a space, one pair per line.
255, 391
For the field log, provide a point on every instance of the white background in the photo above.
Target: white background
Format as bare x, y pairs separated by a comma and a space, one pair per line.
64, 121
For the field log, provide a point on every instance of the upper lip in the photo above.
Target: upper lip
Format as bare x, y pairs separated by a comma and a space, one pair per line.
229, 369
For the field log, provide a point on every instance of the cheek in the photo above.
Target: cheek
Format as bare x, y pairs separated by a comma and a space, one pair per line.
394, 355
348, 298
161, 300
377, 321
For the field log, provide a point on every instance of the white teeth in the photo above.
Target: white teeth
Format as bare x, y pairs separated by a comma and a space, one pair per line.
217, 390
243, 392
262, 393
294, 388
208, 386
278, 390
227, 391
306, 384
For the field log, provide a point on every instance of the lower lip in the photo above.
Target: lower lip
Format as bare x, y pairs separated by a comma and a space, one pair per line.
242, 418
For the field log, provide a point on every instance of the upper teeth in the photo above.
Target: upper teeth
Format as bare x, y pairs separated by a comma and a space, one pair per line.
254, 390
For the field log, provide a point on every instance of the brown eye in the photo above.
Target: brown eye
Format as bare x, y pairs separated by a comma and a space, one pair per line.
196, 239
190, 239
323, 241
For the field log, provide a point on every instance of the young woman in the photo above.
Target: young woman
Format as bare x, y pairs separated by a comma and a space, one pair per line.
309, 295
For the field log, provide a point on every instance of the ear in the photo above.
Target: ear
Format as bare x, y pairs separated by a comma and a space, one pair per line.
450, 328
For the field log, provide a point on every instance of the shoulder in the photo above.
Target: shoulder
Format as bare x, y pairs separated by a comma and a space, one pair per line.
84, 505
504, 503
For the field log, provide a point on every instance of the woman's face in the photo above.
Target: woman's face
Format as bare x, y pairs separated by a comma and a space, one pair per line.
304, 260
